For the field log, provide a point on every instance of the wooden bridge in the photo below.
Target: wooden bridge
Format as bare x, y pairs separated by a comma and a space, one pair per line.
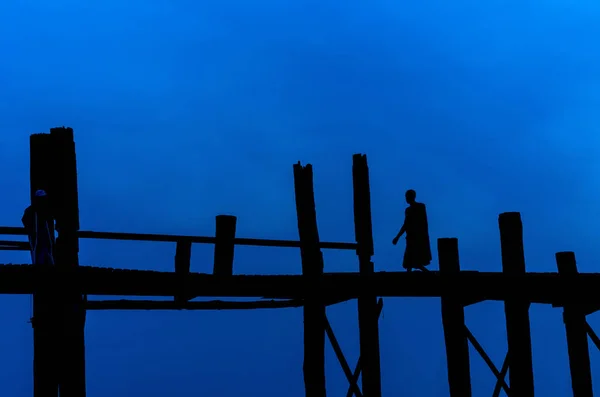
61, 292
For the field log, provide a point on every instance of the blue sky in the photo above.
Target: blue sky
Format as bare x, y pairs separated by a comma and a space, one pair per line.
183, 110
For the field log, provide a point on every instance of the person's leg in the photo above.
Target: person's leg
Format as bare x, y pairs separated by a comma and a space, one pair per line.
407, 262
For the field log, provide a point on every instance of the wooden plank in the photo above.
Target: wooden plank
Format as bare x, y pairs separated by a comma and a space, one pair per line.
537, 287
13, 248
368, 323
12, 231
224, 245
453, 320
21, 244
257, 242
517, 310
312, 273
125, 304
575, 327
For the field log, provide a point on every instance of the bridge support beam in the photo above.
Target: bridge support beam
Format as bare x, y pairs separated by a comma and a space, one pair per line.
516, 310
45, 376
71, 353
368, 317
576, 328
453, 319
312, 272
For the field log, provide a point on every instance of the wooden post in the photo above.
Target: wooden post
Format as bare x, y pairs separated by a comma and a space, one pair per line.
224, 245
358, 367
575, 325
453, 319
368, 323
71, 342
517, 311
45, 378
312, 270
183, 256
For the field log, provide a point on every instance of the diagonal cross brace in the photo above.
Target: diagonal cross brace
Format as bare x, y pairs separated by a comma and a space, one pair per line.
500, 375
488, 360
503, 371
500, 380
340, 355
592, 335
358, 368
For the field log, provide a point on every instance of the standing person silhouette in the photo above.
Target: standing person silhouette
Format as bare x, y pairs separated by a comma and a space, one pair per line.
39, 224
418, 250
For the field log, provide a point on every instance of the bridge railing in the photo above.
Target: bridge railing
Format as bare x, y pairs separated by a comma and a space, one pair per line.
87, 234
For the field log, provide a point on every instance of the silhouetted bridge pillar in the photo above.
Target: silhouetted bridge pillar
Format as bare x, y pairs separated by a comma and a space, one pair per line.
59, 314
519, 355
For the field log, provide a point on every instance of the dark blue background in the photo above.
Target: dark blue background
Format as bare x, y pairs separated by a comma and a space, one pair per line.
184, 109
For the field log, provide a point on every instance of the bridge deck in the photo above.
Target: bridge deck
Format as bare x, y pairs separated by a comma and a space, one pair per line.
549, 288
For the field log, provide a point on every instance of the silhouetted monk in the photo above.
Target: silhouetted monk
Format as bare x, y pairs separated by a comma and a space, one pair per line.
39, 224
418, 251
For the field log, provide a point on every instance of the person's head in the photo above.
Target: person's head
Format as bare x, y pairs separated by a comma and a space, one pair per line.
40, 198
411, 196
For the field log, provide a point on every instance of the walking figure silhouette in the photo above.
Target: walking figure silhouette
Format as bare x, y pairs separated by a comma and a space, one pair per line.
418, 250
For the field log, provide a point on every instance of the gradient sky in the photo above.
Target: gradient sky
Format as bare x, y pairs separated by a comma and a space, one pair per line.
183, 110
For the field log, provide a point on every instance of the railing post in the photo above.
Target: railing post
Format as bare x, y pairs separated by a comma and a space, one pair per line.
224, 245
183, 256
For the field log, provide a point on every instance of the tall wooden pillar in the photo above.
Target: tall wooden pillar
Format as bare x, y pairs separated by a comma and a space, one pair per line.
71, 354
577, 338
516, 310
312, 271
44, 321
453, 319
368, 322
